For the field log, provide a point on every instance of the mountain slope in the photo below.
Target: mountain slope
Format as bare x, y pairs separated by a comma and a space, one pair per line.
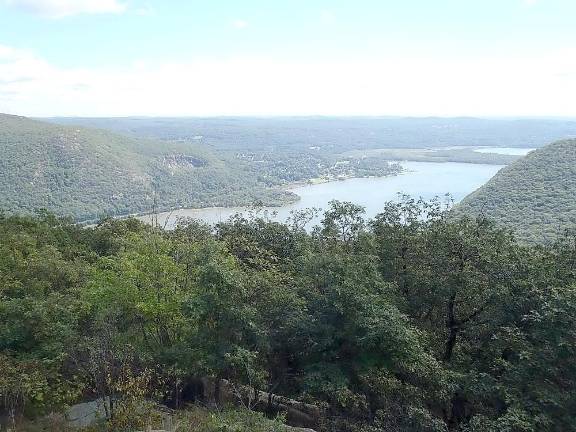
536, 195
86, 173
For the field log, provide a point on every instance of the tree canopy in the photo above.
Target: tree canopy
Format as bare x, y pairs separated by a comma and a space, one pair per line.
412, 321
535, 196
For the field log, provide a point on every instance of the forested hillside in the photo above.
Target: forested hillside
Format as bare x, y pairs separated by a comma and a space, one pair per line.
413, 321
87, 173
535, 196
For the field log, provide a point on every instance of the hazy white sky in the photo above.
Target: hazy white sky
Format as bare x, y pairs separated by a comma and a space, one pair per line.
288, 57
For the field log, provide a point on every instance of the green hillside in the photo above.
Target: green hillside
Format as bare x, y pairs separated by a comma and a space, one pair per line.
536, 195
86, 173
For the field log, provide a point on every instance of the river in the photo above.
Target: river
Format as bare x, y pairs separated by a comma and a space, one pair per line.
421, 179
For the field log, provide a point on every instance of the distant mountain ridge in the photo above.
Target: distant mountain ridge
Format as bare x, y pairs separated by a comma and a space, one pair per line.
86, 173
338, 134
535, 196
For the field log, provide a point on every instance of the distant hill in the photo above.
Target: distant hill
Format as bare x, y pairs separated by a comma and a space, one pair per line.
336, 135
536, 195
87, 173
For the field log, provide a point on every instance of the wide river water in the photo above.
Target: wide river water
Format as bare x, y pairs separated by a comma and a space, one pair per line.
421, 179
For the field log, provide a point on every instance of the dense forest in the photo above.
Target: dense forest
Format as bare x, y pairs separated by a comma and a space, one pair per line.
535, 196
412, 321
88, 173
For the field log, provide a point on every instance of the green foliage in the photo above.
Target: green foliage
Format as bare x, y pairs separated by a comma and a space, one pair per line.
412, 321
535, 196
201, 420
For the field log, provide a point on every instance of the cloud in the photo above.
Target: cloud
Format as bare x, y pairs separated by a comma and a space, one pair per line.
530, 2
64, 8
240, 24
507, 86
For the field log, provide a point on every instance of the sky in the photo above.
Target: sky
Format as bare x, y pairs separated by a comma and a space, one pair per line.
288, 57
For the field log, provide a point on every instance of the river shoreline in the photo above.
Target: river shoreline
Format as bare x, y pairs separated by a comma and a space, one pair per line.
418, 179
293, 188
289, 187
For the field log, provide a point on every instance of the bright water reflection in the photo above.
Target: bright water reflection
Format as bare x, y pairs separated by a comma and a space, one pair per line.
421, 179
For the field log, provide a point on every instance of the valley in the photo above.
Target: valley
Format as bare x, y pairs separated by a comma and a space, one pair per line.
418, 179
278, 268
211, 169
287, 216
